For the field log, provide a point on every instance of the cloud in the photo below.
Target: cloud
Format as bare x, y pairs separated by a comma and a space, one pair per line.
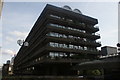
24, 21
110, 34
19, 34
10, 39
8, 52
110, 37
1, 35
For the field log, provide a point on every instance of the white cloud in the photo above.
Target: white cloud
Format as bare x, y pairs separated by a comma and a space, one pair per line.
19, 34
8, 52
110, 34
110, 37
10, 39
24, 21
1, 35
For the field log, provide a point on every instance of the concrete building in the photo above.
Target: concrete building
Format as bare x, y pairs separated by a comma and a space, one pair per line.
108, 50
60, 39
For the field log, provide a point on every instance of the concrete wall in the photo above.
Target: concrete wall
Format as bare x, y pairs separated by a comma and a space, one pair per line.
107, 50
42, 78
111, 50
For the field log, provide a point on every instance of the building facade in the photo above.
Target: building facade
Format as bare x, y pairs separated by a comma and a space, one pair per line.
108, 50
60, 39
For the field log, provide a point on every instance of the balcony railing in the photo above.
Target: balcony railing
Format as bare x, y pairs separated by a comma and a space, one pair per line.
72, 31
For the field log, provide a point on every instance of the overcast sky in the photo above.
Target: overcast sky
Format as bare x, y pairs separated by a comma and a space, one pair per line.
19, 17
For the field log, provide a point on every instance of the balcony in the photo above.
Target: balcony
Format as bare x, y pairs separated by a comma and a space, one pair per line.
74, 32
48, 60
70, 50
69, 22
77, 42
66, 22
92, 29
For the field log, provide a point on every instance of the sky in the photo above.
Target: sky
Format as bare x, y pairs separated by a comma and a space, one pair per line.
119, 23
19, 17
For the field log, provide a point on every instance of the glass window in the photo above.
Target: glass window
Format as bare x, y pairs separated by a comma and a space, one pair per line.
60, 35
56, 34
56, 54
64, 36
55, 16
52, 44
61, 45
56, 45
85, 48
70, 46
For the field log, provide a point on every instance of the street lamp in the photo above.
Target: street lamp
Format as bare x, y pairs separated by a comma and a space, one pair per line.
22, 42
118, 45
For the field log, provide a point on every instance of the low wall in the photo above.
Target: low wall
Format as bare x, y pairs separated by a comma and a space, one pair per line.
41, 78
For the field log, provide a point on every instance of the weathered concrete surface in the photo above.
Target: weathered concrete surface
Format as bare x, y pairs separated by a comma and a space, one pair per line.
42, 78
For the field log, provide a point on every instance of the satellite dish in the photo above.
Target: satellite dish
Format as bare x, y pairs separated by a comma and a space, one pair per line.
67, 7
20, 42
77, 11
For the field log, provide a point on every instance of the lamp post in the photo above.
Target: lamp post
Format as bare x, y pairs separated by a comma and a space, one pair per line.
118, 45
22, 42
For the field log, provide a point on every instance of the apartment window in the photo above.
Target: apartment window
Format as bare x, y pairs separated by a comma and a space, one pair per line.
64, 36
51, 34
70, 36
60, 35
69, 20
55, 16
51, 54
56, 54
56, 34
70, 46
33, 68
61, 45
75, 47
64, 46
52, 44
85, 48
84, 39
56, 45
61, 54
79, 47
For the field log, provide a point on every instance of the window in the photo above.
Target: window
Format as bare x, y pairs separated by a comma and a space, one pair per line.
56, 54
52, 44
55, 16
56, 34
64, 46
84, 39
56, 45
70, 46
61, 45
70, 36
75, 47
85, 48
60, 35
64, 36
